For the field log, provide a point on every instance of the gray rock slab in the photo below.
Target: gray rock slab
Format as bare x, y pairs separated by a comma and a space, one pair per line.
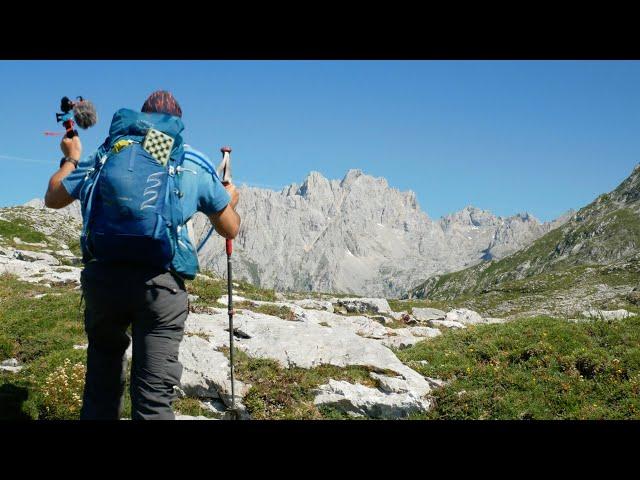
427, 314
607, 314
360, 400
364, 305
446, 323
465, 316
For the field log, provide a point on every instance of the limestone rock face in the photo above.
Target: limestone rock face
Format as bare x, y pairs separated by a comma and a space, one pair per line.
205, 372
359, 400
37, 271
356, 235
317, 337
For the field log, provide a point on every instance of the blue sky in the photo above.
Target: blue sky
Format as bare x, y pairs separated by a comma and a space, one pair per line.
507, 136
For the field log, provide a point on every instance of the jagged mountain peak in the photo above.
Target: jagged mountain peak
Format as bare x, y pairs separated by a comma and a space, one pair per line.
315, 183
355, 176
629, 190
351, 175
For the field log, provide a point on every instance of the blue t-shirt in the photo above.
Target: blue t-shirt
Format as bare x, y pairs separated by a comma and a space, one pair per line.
197, 180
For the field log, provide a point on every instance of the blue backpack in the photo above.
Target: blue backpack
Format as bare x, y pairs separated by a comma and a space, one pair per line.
131, 210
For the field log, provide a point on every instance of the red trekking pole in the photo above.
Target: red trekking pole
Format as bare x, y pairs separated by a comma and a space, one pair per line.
224, 172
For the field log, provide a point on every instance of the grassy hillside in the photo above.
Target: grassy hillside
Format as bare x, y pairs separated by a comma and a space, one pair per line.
536, 368
594, 256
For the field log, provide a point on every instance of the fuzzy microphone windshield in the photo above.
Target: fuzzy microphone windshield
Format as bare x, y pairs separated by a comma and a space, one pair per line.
84, 113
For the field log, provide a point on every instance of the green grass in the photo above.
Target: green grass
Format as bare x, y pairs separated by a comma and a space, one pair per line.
21, 229
37, 327
516, 297
537, 368
40, 333
253, 292
193, 407
208, 290
277, 311
74, 247
408, 305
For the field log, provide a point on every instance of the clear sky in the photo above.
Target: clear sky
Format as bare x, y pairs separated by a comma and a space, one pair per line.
507, 136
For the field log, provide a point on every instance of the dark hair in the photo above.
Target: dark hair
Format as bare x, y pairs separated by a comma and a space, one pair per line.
162, 101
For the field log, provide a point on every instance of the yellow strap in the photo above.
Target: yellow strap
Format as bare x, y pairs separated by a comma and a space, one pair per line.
120, 144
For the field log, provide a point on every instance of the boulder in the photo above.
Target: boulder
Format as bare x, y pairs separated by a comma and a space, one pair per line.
465, 316
39, 257
37, 272
189, 417
10, 365
401, 341
306, 343
427, 314
359, 400
446, 323
11, 369
363, 326
381, 319
314, 304
224, 299
216, 407
607, 314
634, 296
364, 305
397, 315
205, 372
424, 332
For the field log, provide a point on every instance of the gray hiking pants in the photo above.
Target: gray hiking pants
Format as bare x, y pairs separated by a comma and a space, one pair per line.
154, 303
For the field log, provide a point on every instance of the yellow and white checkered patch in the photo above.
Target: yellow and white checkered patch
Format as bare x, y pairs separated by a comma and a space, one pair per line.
158, 145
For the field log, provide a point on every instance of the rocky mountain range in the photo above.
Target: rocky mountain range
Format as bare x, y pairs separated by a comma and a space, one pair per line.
357, 235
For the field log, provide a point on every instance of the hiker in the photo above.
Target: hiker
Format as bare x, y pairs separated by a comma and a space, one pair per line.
137, 193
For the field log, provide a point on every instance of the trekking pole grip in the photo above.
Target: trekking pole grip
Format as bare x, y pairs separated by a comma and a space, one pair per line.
229, 246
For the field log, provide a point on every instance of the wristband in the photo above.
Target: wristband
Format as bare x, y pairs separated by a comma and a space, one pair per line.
70, 160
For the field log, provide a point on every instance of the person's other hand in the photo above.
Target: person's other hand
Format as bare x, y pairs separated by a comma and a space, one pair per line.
71, 147
231, 189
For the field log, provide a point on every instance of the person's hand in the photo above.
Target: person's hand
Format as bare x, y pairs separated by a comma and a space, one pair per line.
71, 147
231, 189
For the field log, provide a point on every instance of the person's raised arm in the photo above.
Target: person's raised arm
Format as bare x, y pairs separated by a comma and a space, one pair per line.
57, 196
227, 221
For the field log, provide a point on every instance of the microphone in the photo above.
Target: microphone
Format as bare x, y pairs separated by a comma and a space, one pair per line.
84, 113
